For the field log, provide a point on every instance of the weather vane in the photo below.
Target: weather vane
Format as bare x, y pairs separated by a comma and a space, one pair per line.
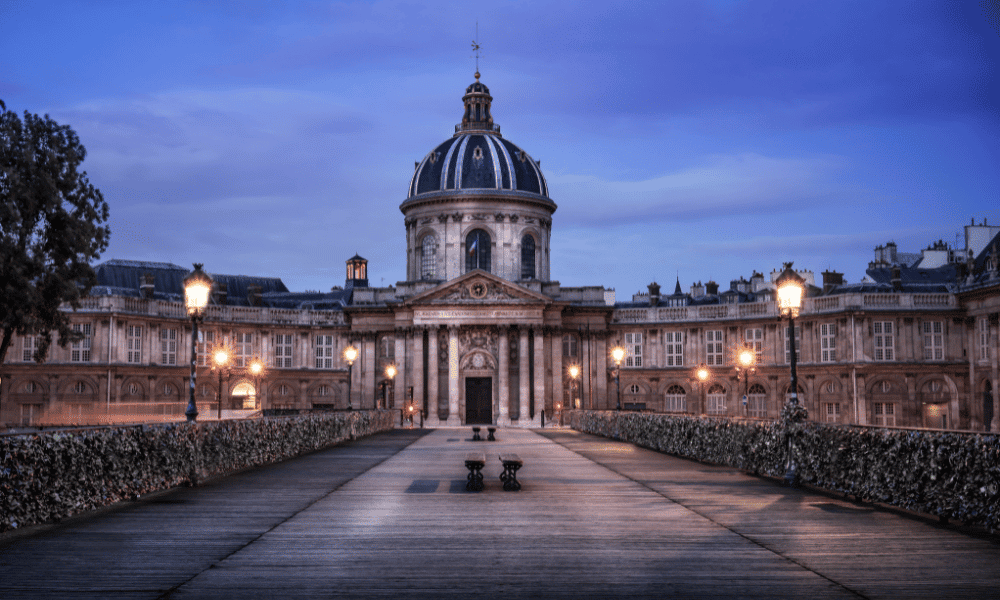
475, 47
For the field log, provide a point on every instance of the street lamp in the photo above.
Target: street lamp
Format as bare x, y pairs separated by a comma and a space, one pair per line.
387, 395
746, 363
257, 369
702, 373
618, 353
574, 373
197, 287
350, 355
790, 287
221, 360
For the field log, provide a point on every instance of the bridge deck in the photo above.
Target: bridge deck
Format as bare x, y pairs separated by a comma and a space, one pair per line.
389, 516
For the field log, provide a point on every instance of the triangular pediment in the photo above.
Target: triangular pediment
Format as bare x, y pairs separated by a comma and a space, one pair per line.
478, 288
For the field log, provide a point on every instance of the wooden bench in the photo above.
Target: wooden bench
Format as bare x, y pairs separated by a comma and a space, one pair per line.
511, 463
491, 431
475, 461
475, 434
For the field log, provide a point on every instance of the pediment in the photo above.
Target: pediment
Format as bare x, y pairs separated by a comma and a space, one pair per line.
478, 288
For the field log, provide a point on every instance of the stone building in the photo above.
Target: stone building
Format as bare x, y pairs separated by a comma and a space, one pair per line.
480, 332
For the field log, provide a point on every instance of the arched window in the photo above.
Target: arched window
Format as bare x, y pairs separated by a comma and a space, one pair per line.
428, 257
756, 404
675, 399
527, 257
477, 250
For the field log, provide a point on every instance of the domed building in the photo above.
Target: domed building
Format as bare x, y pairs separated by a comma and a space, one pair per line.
479, 174
481, 333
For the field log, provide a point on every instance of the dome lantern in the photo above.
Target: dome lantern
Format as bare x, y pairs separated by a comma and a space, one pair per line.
477, 115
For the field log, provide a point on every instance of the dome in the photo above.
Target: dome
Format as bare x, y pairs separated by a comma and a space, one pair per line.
477, 161
477, 157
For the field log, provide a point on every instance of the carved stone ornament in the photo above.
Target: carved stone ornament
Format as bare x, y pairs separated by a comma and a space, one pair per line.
513, 218
457, 217
498, 217
478, 361
442, 218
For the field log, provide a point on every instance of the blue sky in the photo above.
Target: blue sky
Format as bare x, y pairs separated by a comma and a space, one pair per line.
700, 139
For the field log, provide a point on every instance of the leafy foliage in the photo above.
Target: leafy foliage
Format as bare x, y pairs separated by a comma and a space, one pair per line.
950, 475
51, 228
50, 476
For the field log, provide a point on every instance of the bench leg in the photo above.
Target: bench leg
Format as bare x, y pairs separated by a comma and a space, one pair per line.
474, 482
509, 479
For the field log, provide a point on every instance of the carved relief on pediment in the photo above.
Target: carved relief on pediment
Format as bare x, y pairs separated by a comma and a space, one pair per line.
478, 289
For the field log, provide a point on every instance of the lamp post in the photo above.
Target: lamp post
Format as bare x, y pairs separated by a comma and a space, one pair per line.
746, 363
197, 286
350, 354
618, 353
702, 374
574, 374
790, 287
257, 369
221, 359
390, 373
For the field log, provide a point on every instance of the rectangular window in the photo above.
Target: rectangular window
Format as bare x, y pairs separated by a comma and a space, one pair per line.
242, 349
983, 335
756, 406
133, 344
80, 350
713, 348
168, 346
29, 344
206, 342
755, 339
283, 351
884, 340
828, 342
885, 414
569, 346
633, 349
675, 403
324, 351
798, 346
933, 340
832, 412
673, 348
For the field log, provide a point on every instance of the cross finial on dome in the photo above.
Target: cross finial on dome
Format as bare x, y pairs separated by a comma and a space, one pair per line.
476, 47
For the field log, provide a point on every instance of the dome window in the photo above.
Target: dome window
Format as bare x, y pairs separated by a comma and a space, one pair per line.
477, 250
428, 257
527, 257
478, 153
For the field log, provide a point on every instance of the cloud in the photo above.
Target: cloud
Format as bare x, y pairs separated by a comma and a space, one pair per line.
746, 183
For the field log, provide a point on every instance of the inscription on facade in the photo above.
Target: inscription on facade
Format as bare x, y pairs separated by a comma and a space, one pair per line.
422, 317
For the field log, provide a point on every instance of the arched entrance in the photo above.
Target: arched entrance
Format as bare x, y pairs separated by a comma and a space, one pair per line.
244, 396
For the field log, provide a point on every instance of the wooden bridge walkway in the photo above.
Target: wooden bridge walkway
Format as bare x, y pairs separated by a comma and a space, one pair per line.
389, 517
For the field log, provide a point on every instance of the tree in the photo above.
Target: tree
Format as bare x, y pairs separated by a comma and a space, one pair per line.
51, 228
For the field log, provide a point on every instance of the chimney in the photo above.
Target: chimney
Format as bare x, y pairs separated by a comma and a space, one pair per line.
698, 290
712, 288
221, 292
654, 294
254, 295
897, 280
832, 279
147, 286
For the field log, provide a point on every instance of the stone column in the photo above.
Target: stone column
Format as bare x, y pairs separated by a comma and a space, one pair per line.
416, 369
454, 418
433, 410
369, 363
602, 362
522, 353
503, 377
399, 359
539, 382
558, 371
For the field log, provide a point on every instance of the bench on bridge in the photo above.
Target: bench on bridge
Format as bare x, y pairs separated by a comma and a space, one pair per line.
475, 461
511, 463
475, 434
491, 431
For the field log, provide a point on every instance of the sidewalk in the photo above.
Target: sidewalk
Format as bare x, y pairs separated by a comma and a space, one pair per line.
388, 516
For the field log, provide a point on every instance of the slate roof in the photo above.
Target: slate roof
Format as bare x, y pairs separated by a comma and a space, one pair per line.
118, 277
